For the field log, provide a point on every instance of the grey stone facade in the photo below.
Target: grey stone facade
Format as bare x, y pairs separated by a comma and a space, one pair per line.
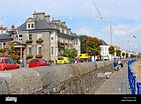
52, 32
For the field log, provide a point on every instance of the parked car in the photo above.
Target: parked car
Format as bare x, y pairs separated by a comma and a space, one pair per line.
7, 63
37, 62
63, 60
83, 57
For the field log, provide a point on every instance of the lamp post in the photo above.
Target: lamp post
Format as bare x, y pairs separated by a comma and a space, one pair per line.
93, 19
111, 31
130, 42
110, 26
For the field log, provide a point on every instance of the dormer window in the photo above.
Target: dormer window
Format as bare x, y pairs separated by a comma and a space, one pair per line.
30, 23
30, 26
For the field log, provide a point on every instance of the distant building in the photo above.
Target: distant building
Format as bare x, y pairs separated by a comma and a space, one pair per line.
105, 51
3, 30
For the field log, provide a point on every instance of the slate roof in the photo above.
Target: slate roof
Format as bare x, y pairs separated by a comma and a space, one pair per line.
42, 24
104, 43
39, 24
6, 36
22, 27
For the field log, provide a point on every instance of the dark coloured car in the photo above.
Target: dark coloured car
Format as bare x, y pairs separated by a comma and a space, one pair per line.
7, 63
37, 62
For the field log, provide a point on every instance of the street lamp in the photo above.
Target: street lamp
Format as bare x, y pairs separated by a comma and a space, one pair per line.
110, 26
93, 18
111, 31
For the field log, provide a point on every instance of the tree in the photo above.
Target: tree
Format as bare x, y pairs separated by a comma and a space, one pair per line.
118, 53
123, 54
83, 39
93, 46
70, 53
111, 50
127, 55
12, 52
3, 51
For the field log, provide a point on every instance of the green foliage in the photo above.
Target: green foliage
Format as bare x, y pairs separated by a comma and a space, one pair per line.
61, 47
93, 46
39, 56
9, 51
127, 55
29, 56
70, 53
123, 54
111, 50
132, 56
3, 51
39, 40
83, 39
15, 57
118, 53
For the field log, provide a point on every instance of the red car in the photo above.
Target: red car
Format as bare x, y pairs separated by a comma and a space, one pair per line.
7, 63
37, 62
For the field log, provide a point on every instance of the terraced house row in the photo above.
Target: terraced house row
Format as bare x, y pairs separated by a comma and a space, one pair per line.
39, 35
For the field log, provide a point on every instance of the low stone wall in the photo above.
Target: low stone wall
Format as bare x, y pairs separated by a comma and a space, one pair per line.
81, 78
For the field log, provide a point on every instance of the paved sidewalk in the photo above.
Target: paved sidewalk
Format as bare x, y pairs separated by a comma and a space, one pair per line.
116, 84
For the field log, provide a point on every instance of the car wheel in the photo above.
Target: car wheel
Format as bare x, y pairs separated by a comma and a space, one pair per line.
4, 69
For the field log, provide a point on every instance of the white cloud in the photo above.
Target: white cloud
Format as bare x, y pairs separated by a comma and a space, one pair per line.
85, 31
20, 10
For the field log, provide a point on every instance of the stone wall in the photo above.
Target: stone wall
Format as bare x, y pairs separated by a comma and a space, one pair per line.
81, 78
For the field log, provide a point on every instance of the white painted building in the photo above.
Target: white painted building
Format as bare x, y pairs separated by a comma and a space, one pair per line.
105, 51
3, 30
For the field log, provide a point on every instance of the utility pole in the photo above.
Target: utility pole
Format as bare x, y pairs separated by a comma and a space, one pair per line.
93, 20
130, 42
111, 31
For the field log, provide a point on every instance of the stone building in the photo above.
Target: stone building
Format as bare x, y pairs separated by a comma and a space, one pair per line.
39, 35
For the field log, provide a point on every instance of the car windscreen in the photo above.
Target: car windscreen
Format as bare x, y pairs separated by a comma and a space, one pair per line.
60, 58
34, 60
42, 60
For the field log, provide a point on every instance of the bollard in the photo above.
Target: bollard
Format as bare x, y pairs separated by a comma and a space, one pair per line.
139, 87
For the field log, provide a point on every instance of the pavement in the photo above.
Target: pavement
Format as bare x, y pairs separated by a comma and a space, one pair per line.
116, 84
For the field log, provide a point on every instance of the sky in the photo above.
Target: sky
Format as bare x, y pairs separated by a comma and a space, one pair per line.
85, 17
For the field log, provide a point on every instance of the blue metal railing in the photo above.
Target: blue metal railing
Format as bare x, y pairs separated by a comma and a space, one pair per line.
134, 85
139, 87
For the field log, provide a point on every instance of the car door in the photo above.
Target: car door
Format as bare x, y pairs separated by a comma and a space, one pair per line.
34, 63
43, 62
8, 64
13, 64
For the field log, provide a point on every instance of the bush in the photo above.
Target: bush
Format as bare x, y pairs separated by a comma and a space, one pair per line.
39, 40
15, 57
29, 56
29, 41
39, 56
